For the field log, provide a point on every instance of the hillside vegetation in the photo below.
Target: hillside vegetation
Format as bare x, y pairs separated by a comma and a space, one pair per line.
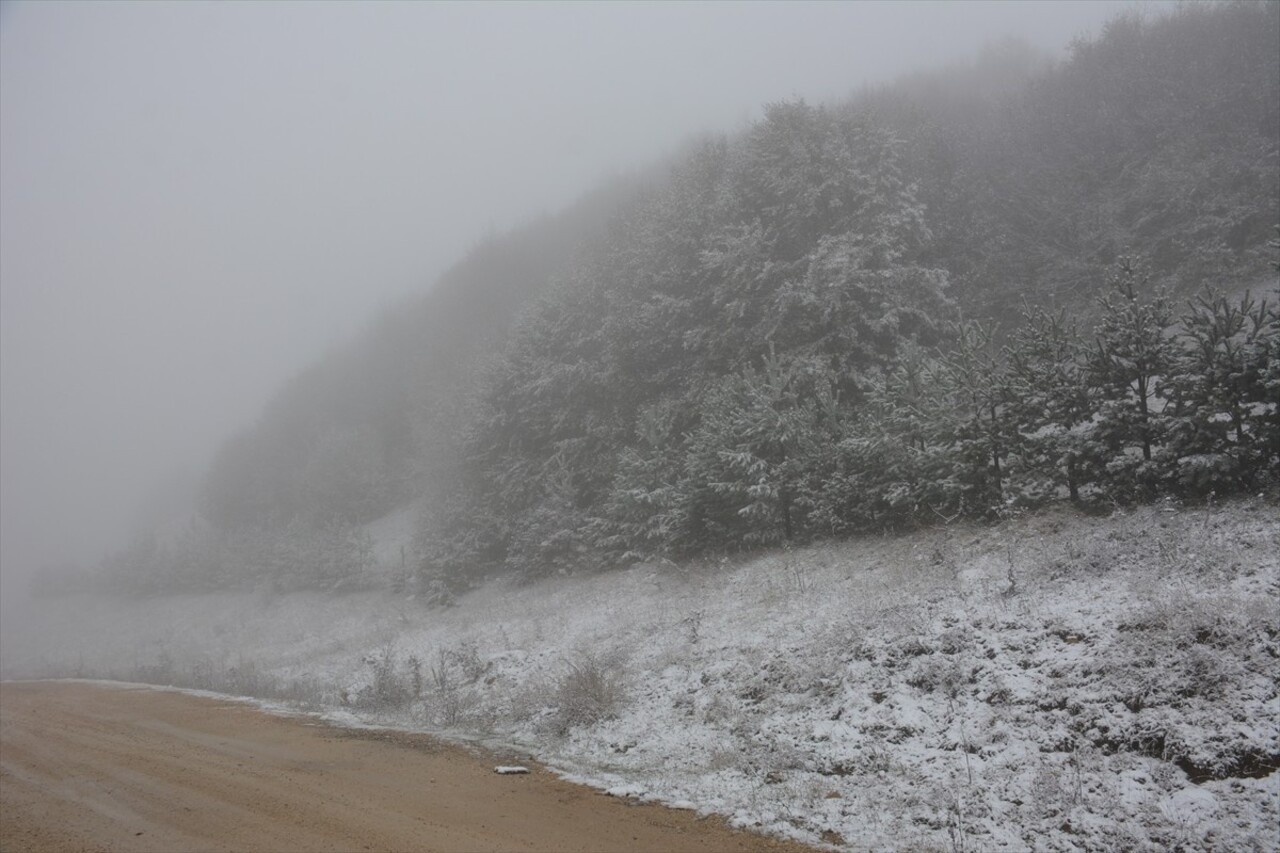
810, 330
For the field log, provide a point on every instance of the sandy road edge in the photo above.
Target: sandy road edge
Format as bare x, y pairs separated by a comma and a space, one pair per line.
500, 750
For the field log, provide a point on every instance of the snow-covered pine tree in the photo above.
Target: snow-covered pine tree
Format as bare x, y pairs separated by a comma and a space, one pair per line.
758, 448
1129, 363
1052, 405
973, 420
1221, 403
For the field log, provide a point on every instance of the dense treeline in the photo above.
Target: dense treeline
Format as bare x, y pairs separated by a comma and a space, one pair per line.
847, 318
788, 257
767, 347
795, 446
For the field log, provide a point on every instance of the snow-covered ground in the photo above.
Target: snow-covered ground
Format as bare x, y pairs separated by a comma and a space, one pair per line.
1056, 682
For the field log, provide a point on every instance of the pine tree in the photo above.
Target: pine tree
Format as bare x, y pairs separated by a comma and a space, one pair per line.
1221, 400
891, 468
1052, 404
645, 514
973, 421
755, 452
1132, 356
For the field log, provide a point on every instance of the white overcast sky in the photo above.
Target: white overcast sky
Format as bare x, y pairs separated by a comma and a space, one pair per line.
197, 199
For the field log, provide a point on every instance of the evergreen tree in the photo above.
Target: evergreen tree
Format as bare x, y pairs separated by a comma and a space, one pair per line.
646, 513
1052, 404
888, 459
971, 420
1222, 402
756, 451
1129, 363
545, 432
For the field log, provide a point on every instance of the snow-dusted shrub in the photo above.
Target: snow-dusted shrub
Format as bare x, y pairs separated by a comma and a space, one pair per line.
589, 691
445, 687
1205, 473
241, 676
389, 685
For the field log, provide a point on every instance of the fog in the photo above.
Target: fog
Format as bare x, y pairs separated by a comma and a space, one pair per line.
196, 200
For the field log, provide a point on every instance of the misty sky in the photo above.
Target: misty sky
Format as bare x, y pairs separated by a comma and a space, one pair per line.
197, 199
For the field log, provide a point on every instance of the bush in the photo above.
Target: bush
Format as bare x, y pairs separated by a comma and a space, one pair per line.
589, 692
388, 687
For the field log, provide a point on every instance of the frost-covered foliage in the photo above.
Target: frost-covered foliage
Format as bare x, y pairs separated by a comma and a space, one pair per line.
796, 450
772, 270
1055, 682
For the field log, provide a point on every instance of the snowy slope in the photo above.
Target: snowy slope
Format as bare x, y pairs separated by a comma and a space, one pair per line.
1053, 683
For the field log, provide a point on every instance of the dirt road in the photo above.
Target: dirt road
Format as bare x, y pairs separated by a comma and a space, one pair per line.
87, 767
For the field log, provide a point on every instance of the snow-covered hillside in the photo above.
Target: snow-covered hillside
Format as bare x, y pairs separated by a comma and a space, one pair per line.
1056, 682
